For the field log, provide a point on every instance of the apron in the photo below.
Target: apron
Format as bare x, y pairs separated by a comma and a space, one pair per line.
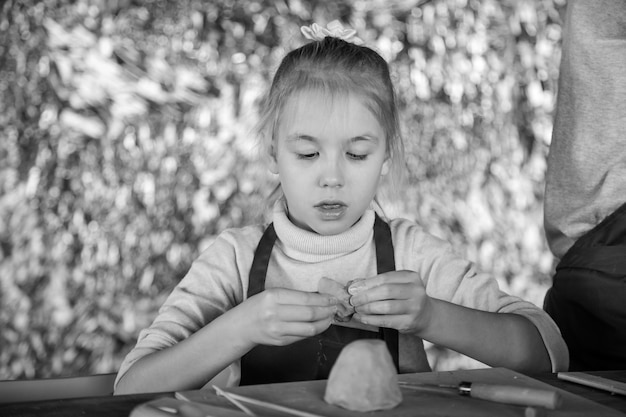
588, 296
313, 357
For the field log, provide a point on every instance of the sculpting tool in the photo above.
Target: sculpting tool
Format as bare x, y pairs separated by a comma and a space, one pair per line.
238, 399
506, 394
234, 401
594, 381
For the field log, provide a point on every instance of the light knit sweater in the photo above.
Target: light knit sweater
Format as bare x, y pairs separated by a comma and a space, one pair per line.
218, 281
586, 177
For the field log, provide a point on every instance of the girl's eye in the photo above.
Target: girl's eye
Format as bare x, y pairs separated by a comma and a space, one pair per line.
357, 157
306, 156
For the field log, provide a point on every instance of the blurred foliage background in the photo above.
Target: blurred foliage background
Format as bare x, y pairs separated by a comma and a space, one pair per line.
126, 145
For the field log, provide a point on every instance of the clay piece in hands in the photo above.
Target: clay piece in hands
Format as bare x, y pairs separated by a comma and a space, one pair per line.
340, 292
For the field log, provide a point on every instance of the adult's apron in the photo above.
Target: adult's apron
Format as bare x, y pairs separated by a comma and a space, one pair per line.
588, 296
313, 357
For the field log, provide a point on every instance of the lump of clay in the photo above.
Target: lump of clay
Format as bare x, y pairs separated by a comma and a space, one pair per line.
332, 287
364, 378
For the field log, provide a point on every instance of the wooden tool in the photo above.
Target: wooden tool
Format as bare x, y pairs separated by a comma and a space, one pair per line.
507, 394
238, 400
171, 407
234, 401
583, 378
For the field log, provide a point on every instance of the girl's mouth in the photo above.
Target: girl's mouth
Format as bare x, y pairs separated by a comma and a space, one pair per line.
331, 210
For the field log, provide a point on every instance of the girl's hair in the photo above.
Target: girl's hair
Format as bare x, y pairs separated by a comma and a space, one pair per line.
336, 67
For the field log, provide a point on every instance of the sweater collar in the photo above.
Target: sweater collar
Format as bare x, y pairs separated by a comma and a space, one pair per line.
309, 246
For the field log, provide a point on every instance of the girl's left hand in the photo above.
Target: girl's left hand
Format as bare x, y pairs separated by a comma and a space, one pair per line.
396, 300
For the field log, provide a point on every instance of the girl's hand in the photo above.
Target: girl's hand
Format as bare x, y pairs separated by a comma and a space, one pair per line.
394, 299
280, 316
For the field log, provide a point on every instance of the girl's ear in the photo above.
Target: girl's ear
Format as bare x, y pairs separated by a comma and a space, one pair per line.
385, 168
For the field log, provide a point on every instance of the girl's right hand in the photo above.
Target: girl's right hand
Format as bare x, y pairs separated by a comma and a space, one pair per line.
280, 316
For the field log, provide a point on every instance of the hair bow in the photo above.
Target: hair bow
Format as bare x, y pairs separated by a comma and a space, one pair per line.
335, 29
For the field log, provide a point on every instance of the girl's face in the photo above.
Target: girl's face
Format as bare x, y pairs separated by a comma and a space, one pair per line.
329, 155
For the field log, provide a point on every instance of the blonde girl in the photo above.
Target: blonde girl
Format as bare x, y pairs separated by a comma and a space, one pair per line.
257, 305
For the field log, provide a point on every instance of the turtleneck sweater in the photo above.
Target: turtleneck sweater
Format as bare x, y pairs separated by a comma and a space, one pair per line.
310, 247
218, 281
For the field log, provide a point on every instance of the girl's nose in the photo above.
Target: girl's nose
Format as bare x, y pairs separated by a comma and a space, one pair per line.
332, 175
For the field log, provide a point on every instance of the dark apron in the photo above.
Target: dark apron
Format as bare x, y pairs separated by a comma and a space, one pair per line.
313, 357
588, 296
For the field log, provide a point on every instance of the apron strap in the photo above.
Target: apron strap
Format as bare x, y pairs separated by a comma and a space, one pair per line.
258, 271
385, 262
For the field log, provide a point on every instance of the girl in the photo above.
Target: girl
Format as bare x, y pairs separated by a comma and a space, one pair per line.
250, 303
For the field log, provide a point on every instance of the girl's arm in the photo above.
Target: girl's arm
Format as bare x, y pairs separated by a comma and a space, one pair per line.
398, 300
273, 317
496, 339
189, 364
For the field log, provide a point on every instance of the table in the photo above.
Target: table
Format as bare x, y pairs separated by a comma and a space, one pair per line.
114, 406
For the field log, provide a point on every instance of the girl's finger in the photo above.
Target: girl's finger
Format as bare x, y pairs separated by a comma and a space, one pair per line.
293, 331
388, 307
306, 314
393, 277
295, 297
402, 291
